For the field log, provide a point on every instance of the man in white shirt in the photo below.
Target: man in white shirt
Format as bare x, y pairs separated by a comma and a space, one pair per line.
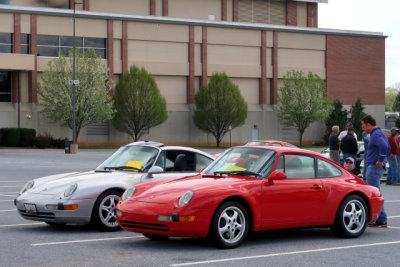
344, 132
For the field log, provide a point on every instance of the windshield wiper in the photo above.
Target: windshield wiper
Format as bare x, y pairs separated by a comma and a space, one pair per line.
122, 168
245, 173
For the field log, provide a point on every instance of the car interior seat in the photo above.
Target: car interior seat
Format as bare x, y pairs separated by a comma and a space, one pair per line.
180, 163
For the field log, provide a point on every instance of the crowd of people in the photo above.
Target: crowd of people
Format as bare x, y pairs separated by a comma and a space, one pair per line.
379, 147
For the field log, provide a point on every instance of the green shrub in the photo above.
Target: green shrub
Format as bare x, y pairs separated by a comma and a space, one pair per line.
57, 142
42, 141
26, 137
11, 137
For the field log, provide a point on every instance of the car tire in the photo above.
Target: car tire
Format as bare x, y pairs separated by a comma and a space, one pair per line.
230, 225
103, 214
156, 237
351, 218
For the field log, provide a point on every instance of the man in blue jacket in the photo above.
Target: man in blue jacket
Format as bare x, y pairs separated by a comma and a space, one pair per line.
378, 149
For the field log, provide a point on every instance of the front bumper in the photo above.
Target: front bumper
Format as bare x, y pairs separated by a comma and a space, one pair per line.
50, 208
141, 217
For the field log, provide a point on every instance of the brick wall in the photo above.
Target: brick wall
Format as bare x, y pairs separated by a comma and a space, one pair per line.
356, 68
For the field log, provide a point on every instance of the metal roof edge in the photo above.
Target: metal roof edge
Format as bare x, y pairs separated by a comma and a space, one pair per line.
179, 21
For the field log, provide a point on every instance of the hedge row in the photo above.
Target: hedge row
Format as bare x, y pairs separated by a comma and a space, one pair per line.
24, 137
17, 137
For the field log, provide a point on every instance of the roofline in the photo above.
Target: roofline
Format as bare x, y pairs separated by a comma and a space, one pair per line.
179, 21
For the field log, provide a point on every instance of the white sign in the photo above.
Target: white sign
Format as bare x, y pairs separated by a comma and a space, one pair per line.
74, 82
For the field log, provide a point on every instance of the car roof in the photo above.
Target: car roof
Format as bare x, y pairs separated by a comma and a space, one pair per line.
162, 147
284, 149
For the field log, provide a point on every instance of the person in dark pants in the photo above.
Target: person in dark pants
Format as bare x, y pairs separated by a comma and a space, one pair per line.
349, 146
378, 148
393, 172
334, 153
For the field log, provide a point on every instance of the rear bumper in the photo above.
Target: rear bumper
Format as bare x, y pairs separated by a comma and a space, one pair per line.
376, 204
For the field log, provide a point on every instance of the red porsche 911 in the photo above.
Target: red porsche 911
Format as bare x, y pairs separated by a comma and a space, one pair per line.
252, 188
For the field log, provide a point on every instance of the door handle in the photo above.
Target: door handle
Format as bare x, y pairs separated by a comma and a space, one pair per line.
316, 186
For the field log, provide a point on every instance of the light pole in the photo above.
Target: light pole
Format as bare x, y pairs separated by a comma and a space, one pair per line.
74, 82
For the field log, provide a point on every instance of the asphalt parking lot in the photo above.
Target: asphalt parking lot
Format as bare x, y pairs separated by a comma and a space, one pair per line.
30, 243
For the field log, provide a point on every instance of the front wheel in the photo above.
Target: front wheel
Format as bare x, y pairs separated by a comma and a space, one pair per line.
351, 218
230, 225
103, 215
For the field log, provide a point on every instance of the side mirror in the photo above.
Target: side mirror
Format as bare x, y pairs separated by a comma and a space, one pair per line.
276, 175
154, 170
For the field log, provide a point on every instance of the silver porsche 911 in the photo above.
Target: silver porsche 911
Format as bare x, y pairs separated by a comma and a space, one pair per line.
91, 197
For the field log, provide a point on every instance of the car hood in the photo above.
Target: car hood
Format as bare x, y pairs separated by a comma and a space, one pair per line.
58, 183
172, 190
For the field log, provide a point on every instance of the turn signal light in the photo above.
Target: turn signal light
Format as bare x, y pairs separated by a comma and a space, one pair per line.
71, 207
186, 218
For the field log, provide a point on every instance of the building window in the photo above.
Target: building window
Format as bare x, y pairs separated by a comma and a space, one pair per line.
5, 86
25, 43
6, 42
53, 45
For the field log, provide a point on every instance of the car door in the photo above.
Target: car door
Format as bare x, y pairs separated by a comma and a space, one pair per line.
296, 201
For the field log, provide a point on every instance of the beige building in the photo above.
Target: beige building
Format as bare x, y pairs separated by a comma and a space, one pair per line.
182, 42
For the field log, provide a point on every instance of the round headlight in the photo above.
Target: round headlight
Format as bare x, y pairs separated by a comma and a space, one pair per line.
128, 193
27, 186
70, 190
185, 198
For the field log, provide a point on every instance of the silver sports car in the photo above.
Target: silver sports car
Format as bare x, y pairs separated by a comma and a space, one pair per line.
91, 197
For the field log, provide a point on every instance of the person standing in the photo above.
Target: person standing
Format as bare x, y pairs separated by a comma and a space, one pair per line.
334, 153
348, 145
365, 138
344, 132
378, 148
393, 172
349, 165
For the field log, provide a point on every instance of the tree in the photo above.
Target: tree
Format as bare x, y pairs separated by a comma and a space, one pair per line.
93, 102
219, 106
302, 100
390, 96
138, 103
356, 114
338, 116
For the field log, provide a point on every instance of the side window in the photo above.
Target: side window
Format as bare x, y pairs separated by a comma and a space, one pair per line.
161, 160
179, 161
276, 144
325, 169
202, 161
299, 166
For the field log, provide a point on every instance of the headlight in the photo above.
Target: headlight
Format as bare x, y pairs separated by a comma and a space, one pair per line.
70, 190
128, 193
185, 198
27, 186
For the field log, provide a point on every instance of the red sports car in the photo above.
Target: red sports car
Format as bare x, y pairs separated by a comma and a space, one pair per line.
269, 143
252, 188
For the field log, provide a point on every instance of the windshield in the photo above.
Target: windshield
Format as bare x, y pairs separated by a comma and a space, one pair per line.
131, 158
247, 161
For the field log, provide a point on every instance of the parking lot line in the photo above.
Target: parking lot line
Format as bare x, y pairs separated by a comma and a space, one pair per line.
389, 217
6, 200
7, 210
285, 253
2, 186
86, 240
391, 201
21, 224
4, 195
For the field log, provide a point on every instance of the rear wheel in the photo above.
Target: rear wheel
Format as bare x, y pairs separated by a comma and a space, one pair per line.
156, 237
230, 225
103, 215
351, 218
